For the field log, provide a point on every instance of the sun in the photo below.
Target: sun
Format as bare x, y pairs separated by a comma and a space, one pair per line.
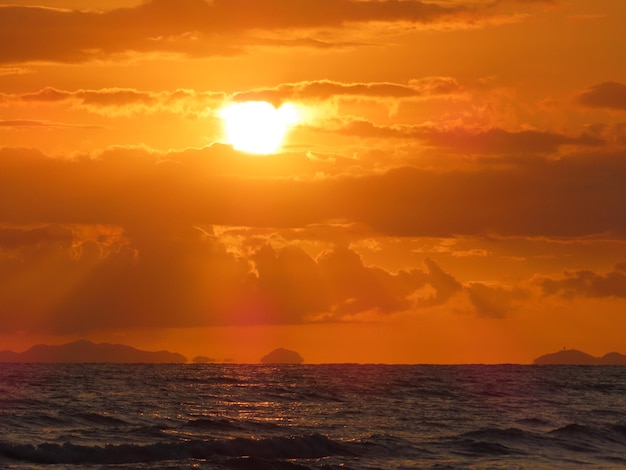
257, 126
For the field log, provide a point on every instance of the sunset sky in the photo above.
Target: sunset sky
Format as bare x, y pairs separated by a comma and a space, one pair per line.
451, 187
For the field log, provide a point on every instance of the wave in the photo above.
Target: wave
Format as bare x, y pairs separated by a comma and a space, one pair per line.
484, 448
97, 418
61, 422
247, 427
534, 422
574, 430
313, 446
213, 424
493, 442
590, 438
257, 463
511, 434
608, 441
321, 396
613, 433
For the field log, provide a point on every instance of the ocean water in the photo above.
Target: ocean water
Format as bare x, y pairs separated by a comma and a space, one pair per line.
359, 417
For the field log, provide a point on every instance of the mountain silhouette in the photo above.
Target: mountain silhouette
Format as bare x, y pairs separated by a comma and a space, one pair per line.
282, 356
87, 352
576, 357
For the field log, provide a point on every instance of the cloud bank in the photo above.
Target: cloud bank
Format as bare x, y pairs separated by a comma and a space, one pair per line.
578, 195
194, 28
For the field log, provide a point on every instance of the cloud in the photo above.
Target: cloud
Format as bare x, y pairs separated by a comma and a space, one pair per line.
16, 123
122, 237
444, 284
195, 27
494, 301
500, 141
545, 2
47, 34
13, 71
576, 195
328, 89
336, 285
185, 277
587, 283
126, 101
14, 238
532, 197
469, 141
610, 95
612, 133
129, 100
123, 101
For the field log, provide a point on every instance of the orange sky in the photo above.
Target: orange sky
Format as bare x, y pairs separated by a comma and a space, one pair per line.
455, 189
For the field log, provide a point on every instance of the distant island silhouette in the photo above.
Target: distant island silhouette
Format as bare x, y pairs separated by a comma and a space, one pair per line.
282, 356
202, 360
576, 357
84, 351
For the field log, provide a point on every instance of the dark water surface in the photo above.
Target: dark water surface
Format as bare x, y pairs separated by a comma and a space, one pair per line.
351, 417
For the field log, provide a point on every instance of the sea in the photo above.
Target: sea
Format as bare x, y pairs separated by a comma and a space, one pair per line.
304, 417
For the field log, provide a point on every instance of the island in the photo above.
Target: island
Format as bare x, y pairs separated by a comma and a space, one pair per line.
84, 351
576, 357
202, 360
282, 356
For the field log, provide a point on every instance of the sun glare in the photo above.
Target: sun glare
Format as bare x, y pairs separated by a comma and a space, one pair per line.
257, 126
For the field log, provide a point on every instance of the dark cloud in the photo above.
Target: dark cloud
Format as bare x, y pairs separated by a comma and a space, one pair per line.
531, 197
186, 277
444, 284
165, 277
14, 238
499, 141
580, 194
46, 34
494, 301
612, 133
610, 95
336, 284
191, 27
468, 141
110, 239
588, 283
356, 288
